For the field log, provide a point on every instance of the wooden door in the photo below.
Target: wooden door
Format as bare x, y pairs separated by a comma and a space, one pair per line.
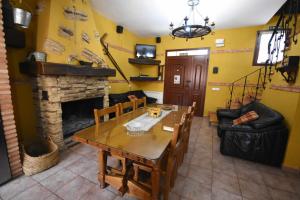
185, 81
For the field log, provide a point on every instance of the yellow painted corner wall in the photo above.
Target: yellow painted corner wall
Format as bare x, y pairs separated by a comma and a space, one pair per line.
24, 111
232, 65
121, 46
287, 103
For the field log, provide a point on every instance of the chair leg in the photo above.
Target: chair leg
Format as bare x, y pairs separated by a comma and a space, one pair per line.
102, 167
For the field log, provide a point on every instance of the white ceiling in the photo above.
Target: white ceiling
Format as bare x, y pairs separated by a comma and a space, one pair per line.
152, 17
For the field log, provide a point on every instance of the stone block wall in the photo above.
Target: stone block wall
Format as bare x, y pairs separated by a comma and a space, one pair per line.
50, 91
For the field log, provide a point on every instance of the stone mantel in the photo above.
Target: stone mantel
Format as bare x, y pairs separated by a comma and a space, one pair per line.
57, 69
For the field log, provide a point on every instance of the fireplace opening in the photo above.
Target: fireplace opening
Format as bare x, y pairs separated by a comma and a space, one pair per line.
77, 115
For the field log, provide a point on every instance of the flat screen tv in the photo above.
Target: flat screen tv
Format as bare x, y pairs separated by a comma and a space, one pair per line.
145, 51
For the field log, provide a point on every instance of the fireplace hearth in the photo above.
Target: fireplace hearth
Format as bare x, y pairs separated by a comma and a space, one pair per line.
77, 115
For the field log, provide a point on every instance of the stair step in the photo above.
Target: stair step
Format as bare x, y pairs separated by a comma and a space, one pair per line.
213, 119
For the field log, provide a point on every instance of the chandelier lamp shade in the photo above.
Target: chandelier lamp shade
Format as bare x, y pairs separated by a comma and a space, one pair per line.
192, 30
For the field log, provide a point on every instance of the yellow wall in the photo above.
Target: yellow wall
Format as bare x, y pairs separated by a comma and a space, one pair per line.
20, 84
54, 17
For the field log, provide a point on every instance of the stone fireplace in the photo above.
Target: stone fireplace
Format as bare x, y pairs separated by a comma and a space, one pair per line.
55, 91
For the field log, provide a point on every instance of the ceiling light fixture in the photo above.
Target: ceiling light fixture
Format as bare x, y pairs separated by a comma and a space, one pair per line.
194, 30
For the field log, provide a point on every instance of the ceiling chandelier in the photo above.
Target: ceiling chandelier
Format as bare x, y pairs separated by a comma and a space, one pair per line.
187, 30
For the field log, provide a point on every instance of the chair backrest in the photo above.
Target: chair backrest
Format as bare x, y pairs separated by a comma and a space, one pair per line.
126, 105
98, 113
138, 102
177, 138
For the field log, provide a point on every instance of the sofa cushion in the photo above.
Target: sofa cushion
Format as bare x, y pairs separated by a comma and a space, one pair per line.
267, 116
248, 117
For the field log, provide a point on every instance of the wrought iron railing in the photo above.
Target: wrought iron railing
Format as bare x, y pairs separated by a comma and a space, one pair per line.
248, 87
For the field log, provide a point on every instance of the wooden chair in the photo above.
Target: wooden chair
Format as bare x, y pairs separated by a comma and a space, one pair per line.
98, 113
126, 105
169, 171
190, 116
138, 102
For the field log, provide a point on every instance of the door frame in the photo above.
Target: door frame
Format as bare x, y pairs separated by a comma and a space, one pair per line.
206, 75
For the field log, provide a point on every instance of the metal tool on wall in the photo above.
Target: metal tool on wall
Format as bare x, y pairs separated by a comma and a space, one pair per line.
111, 58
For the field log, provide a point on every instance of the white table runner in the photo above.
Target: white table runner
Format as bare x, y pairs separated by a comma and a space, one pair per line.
146, 121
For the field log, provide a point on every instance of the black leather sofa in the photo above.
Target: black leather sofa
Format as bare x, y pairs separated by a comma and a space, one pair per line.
263, 140
123, 97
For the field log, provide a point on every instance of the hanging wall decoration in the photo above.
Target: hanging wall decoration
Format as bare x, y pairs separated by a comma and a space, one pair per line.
91, 56
85, 37
65, 32
54, 47
73, 14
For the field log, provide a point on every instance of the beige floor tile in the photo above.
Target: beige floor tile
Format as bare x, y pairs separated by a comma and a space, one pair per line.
179, 184
273, 181
53, 197
68, 157
282, 195
218, 194
201, 175
203, 162
58, 180
224, 164
16, 186
270, 170
42, 175
96, 193
75, 189
226, 182
37, 192
83, 149
194, 191
81, 166
125, 197
248, 171
91, 174
183, 169
174, 196
254, 191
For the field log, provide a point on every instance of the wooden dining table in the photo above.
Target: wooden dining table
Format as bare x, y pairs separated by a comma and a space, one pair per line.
147, 148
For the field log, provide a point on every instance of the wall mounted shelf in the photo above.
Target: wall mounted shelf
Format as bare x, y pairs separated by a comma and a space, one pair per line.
144, 78
143, 61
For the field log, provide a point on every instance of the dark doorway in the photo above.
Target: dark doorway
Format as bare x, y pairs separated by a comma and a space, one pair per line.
5, 173
185, 77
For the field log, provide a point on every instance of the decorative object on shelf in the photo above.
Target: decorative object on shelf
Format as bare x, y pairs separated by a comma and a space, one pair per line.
290, 70
37, 56
91, 56
54, 46
22, 17
85, 37
285, 29
192, 30
154, 112
65, 32
73, 14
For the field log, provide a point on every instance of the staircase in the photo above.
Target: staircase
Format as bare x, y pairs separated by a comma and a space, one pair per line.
243, 91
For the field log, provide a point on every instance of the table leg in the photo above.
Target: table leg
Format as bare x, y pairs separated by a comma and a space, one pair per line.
102, 157
155, 182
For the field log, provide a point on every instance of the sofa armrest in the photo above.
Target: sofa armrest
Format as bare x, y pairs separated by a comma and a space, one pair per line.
238, 128
228, 113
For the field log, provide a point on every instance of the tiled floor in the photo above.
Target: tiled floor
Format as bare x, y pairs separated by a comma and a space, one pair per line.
205, 174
